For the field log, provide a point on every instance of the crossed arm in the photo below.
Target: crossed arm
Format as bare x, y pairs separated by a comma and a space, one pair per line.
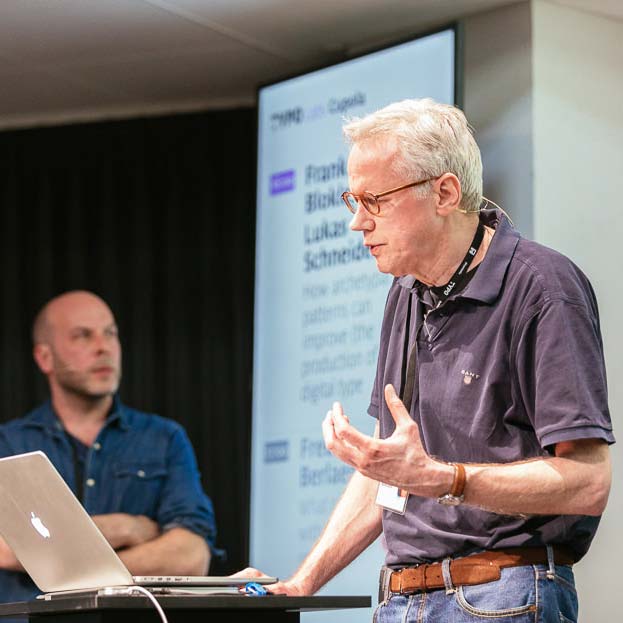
142, 547
145, 550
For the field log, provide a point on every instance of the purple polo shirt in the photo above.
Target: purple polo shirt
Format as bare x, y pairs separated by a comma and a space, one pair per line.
508, 367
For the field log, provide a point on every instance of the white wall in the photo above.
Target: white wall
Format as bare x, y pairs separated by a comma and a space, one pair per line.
578, 175
544, 91
498, 104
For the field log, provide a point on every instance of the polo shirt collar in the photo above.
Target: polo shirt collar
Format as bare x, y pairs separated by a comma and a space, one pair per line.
487, 283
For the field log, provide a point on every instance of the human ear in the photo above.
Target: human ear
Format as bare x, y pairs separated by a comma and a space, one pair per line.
43, 357
448, 194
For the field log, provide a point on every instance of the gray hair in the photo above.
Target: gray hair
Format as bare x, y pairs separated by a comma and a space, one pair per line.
432, 139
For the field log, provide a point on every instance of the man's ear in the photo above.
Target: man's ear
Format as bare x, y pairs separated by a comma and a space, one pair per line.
43, 356
449, 194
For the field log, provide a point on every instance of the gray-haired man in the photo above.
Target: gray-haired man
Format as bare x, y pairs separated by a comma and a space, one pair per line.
489, 465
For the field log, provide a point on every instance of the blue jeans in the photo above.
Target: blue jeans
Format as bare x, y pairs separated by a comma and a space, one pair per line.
523, 594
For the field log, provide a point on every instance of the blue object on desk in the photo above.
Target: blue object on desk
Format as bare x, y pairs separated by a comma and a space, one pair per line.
254, 589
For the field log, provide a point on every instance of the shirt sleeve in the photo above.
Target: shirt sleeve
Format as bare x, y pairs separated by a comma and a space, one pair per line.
183, 503
374, 406
5, 447
563, 377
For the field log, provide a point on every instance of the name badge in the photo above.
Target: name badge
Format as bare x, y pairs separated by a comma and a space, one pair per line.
392, 498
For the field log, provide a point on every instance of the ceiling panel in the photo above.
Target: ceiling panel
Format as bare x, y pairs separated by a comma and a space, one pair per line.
59, 94
45, 32
88, 58
303, 28
186, 75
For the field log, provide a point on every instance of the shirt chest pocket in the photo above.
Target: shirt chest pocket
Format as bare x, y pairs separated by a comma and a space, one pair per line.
139, 486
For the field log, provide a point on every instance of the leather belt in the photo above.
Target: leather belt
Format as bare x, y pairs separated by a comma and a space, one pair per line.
475, 569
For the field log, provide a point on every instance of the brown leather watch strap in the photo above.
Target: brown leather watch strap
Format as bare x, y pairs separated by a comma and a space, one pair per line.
458, 484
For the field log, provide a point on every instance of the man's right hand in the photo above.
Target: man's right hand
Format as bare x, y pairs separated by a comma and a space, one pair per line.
280, 588
7, 558
123, 530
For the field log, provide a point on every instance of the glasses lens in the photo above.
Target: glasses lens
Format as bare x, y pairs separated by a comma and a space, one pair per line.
350, 201
370, 203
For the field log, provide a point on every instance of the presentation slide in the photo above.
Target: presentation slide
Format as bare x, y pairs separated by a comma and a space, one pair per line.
319, 299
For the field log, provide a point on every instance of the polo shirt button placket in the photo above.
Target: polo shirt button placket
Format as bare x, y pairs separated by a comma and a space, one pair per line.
430, 337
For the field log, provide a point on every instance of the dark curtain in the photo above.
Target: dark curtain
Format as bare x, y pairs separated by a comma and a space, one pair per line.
157, 216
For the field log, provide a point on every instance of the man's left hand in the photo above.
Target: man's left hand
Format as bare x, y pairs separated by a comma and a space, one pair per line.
399, 460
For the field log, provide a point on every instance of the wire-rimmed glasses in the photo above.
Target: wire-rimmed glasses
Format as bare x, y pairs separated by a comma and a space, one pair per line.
370, 201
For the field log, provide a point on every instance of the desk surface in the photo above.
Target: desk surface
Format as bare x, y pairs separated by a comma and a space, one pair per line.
182, 602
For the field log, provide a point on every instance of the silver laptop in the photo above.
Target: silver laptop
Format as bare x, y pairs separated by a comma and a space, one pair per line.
57, 542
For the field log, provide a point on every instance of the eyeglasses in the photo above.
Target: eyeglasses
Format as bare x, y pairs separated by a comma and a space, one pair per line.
370, 201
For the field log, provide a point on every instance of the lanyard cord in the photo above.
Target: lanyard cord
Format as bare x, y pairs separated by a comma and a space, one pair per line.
442, 292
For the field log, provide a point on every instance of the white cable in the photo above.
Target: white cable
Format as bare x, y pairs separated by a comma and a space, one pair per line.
504, 212
154, 601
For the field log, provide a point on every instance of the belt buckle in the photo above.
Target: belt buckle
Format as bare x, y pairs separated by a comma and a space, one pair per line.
384, 582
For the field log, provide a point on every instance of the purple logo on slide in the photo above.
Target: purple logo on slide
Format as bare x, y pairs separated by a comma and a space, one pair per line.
282, 182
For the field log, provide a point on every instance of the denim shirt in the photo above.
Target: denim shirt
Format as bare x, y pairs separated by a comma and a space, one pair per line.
140, 464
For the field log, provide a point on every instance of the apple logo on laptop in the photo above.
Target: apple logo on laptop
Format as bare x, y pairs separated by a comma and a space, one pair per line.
39, 526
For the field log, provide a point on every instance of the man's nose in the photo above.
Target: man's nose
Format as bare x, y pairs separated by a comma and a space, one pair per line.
362, 220
102, 343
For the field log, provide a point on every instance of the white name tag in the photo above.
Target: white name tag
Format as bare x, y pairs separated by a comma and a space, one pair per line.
392, 498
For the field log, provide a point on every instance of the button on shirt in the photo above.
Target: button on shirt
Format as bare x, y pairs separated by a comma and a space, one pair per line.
141, 464
506, 368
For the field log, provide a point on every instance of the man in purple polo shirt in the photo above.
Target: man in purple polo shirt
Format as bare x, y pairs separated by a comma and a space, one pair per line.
489, 466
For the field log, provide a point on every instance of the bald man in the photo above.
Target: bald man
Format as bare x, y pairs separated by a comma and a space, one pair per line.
135, 473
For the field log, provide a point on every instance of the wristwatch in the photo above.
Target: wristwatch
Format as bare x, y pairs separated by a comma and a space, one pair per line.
455, 496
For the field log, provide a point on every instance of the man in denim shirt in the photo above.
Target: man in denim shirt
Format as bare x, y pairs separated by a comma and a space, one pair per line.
135, 473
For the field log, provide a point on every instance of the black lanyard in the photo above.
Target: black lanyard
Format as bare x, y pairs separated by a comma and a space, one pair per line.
456, 281
442, 292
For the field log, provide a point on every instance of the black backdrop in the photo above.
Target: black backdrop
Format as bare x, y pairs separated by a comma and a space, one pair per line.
157, 216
